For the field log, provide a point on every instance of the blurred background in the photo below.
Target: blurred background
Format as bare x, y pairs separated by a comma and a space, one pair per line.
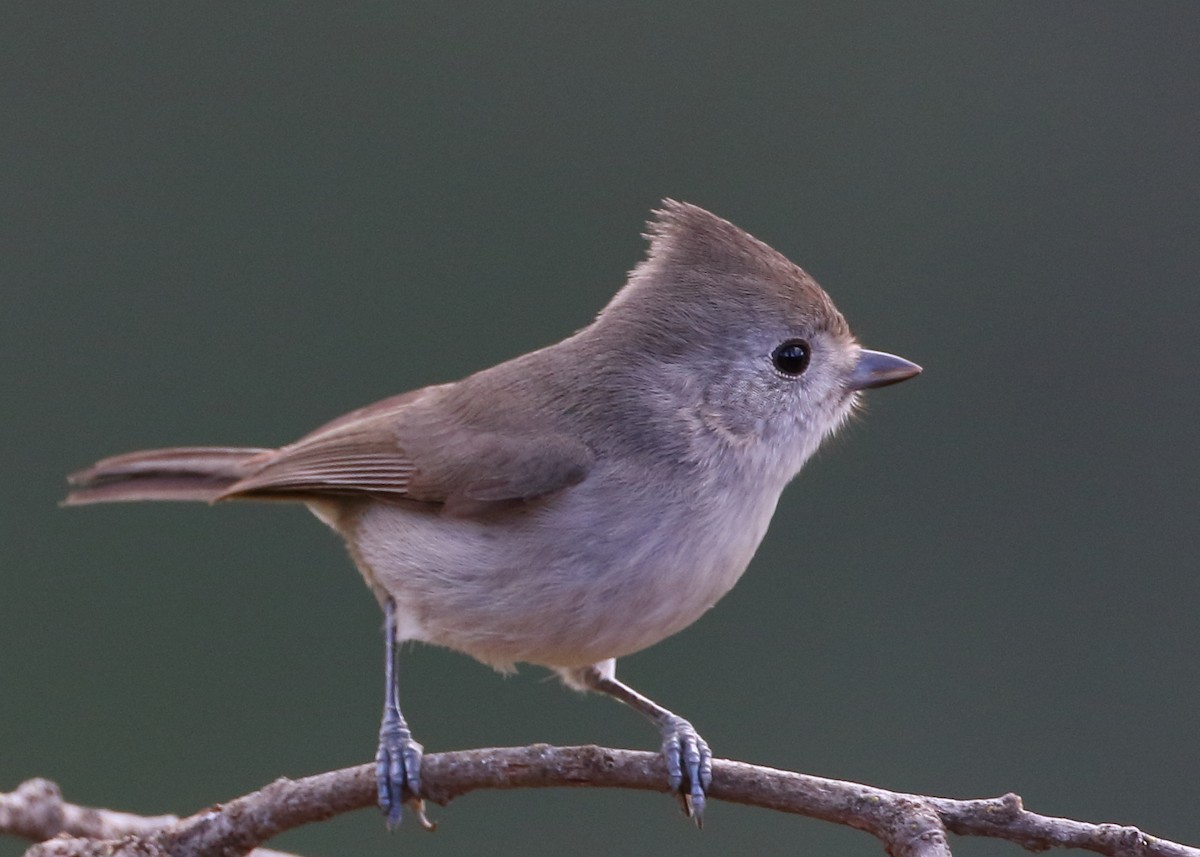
226, 223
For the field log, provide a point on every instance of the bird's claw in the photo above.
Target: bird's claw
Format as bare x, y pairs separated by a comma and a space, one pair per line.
689, 766
398, 771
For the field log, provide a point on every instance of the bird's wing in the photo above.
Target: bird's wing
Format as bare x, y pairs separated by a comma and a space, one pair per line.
399, 449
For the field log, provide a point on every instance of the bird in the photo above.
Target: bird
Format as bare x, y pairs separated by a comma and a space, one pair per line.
576, 504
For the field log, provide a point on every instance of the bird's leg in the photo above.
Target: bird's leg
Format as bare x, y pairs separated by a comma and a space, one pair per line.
689, 761
398, 762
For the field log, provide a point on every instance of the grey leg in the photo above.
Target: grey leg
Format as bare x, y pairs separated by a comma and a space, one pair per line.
689, 761
398, 762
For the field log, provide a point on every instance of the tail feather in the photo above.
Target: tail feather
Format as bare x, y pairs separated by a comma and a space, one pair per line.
200, 473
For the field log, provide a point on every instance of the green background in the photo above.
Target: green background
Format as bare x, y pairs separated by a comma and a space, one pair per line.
226, 223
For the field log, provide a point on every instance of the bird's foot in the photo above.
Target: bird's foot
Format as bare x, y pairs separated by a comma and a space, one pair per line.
398, 772
689, 766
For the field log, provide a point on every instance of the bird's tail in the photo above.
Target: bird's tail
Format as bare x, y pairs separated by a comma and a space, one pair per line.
200, 473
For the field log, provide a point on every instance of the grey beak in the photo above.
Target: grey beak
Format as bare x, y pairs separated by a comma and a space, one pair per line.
877, 369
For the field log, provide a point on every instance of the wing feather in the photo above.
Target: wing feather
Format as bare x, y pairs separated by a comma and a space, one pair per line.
409, 447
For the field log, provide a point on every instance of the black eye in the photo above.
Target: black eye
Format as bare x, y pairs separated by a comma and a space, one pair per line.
791, 358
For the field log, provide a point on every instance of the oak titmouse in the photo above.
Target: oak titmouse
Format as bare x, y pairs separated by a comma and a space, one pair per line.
578, 503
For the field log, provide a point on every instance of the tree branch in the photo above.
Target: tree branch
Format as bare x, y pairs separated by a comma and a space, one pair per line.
907, 825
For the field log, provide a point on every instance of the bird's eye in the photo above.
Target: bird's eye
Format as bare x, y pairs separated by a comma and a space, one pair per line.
791, 358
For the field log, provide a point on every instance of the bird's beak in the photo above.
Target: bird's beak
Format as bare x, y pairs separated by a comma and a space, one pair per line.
877, 369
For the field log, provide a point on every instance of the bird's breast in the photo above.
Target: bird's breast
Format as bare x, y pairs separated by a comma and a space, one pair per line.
582, 576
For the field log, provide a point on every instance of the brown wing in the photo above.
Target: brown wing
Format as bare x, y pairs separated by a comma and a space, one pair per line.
357, 457
407, 447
